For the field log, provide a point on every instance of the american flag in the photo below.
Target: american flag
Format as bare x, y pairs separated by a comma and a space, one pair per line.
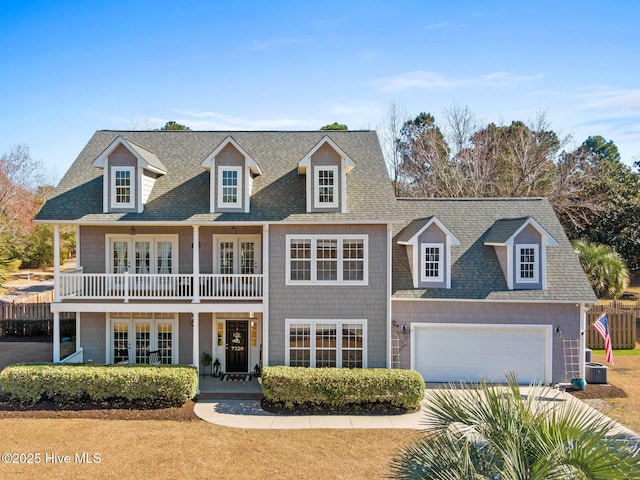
602, 326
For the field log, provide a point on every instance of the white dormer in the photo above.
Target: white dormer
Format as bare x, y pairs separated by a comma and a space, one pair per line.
521, 247
130, 172
326, 167
428, 243
232, 172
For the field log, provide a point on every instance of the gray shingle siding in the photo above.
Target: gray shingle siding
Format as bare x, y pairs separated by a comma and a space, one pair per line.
328, 302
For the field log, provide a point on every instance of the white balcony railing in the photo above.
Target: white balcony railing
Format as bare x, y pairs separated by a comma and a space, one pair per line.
77, 285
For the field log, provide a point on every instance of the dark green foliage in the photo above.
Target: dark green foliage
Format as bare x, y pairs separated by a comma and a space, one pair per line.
28, 384
172, 125
605, 269
335, 126
334, 387
487, 431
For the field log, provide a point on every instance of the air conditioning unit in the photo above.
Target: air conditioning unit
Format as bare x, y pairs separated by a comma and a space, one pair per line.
595, 372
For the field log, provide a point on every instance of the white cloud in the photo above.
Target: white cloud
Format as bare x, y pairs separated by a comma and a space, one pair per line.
423, 79
203, 120
360, 109
611, 101
278, 42
438, 26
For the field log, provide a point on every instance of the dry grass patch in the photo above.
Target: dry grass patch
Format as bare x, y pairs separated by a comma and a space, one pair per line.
625, 375
167, 449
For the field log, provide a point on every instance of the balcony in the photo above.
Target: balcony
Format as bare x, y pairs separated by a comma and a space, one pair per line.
77, 285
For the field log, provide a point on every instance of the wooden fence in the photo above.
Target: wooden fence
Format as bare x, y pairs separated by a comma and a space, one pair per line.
622, 325
32, 319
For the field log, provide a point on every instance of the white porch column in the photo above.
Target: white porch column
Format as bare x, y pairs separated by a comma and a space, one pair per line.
389, 291
196, 340
196, 264
265, 295
56, 266
56, 337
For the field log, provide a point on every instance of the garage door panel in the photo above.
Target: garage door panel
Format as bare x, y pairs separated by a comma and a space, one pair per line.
444, 353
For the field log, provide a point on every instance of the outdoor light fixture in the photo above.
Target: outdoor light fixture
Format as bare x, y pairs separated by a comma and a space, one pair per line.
132, 231
405, 329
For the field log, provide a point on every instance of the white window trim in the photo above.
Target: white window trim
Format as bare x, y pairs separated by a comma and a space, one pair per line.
312, 345
314, 239
316, 179
536, 263
132, 187
238, 203
237, 239
440, 277
131, 239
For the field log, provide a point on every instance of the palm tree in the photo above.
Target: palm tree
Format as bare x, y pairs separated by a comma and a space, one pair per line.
488, 431
606, 270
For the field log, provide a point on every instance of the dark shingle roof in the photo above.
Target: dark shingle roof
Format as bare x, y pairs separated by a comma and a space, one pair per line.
475, 270
183, 193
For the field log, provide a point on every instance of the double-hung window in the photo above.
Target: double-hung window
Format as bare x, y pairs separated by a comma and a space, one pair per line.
326, 343
122, 187
432, 262
230, 187
327, 259
326, 193
527, 263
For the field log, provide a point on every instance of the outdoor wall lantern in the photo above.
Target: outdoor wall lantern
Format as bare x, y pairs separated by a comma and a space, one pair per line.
216, 368
132, 231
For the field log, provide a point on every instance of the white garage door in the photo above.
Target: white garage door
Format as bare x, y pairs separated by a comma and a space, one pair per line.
463, 352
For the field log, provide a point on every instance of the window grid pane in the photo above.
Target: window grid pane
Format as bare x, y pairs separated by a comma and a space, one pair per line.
300, 268
352, 345
353, 260
300, 345
327, 259
247, 258
143, 339
165, 332
123, 186
325, 186
226, 258
326, 345
527, 263
229, 186
432, 262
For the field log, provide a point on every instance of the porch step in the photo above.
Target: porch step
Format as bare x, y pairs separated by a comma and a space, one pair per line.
231, 395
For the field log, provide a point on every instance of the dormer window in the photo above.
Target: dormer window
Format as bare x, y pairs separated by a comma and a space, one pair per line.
521, 248
432, 262
527, 263
428, 244
230, 187
129, 174
326, 167
231, 178
122, 187
325, 185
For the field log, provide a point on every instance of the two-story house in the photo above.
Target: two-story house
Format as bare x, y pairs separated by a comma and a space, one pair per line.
289, 248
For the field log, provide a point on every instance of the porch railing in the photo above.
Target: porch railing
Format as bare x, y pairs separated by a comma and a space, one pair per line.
75, 284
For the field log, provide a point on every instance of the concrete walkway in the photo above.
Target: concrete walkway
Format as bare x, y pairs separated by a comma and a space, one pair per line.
249, 414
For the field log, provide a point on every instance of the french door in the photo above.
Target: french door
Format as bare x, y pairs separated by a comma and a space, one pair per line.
143, 254
237, 255
133, 336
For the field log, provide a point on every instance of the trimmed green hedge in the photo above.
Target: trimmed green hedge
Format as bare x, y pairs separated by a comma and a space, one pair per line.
337, 387
174, 384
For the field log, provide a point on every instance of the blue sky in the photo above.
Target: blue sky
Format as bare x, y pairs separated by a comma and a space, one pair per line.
70, 68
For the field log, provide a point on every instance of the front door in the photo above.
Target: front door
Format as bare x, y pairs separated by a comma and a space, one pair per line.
236, 346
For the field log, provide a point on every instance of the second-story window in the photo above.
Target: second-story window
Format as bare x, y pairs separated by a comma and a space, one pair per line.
230, 187
327, 259
527, 263
326, 187
432, 262
122, 187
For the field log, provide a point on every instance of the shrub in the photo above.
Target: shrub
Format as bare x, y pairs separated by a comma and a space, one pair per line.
333, 387
172, 384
